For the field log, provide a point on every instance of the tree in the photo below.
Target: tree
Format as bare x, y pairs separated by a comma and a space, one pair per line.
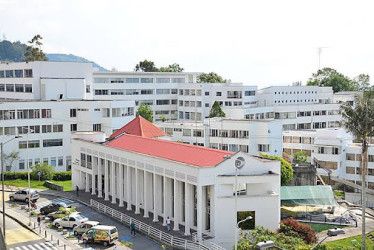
146, 66
329, 77
172, 68
359, 120
145, 111
34, 51
210, 78
299, 157
362, 82
216, 111
286, 168
10, 158
46, 171
163, 118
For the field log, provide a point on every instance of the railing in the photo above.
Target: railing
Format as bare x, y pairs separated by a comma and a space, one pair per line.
206, 242
150, 231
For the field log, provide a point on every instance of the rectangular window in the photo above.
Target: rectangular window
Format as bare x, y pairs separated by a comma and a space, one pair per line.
96, 127
10, 88
73, 127
218, 93
18, 73
28, 88
162, 102
162, 91
46, 128
146, 80
186, 132
21, 164
174, 91
350, 170
350, 157
60, 161
321, 150
9, 131
28, 72
335, 151
132, 80
58, 128
162, 80
178, 80
250, 93
46, 113
101, 92
101, 80
2, 75
263, 147
116, 80
52, 143
146, 92
73, 113
9, 73
32, 144
2, 87
19, 88
53, 161
34, 129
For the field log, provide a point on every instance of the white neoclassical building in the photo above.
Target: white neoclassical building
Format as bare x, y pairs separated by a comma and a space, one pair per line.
194, 186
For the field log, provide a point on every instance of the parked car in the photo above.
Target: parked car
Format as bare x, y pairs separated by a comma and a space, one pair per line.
23, 195
71, 221
59, 214
81, 229
53, 207
101, 234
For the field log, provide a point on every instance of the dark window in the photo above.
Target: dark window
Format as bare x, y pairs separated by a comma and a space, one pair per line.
52, 143
73, 127
73, 113
218, 93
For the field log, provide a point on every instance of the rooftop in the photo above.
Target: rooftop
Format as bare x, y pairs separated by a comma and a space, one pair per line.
140, 127
174, 151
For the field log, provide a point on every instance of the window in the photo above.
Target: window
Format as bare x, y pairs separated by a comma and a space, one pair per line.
162, 102
96, 127
263, 147
46, 128
350, 170
58, 128
2, 75
73, 127
207, 105
146, 92
116, 80
46, 113
88, 89
132, 80
28, 72
18, 73
60, 161
335, 151
250, 93
9, 73
350, 157
116, 92
73, 113
34, 129
234, 94
52, 143
68, 162
162, 80
186, 132
162, 91
101, 92
21, 164
218, 93
10, 88
178, 80
2, 87
206, 93
146, 80
321, 150
53, 161
106, 112
32, 144
28, 88
9, 131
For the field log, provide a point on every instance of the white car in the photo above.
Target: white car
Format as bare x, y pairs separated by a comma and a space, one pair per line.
23, 195
79, 230
71, 221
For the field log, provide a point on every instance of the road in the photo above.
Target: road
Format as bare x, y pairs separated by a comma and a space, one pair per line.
18, 237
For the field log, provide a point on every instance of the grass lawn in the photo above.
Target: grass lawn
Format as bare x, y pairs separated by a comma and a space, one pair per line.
37, 184
349, 243
321, 227
339, 193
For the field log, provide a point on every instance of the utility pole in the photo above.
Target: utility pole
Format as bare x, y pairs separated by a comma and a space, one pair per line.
319, 56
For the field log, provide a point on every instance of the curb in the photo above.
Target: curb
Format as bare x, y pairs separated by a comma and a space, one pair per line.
20, 222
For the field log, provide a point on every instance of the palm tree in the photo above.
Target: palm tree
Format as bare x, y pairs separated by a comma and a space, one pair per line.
359, 120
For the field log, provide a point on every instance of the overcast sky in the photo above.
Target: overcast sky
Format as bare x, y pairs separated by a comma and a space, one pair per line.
255, 42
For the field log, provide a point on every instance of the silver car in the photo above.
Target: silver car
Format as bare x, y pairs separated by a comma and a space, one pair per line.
23, 195
81, 229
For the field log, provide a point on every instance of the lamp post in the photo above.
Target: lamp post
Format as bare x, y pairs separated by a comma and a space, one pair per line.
239, 163
2, 178
237, 230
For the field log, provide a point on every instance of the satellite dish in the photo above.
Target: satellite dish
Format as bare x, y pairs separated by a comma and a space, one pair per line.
239, 162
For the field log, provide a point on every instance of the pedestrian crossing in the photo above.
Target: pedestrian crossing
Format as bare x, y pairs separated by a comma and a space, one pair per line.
45, 202
36, 246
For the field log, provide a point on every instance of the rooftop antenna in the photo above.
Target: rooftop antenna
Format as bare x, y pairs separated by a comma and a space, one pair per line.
319, 56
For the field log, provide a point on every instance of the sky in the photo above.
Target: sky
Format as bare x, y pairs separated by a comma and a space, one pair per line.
263, 43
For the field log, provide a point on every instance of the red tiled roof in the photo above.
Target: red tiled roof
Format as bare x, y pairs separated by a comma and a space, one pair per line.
140, 127
175, 151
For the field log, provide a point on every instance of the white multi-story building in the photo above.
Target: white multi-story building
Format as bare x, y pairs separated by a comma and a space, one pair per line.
189, 184
41, 103
253, 137
331, 149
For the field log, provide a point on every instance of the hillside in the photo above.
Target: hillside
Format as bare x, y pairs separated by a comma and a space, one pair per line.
14, 52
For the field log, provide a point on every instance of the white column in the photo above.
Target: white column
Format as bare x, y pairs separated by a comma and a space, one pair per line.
128, 184
106, 181
137, 193
113, 178
156, 199
177, 204
204, 194
146, 194
167, 198
120, 188
187, 208
199, 207
94, 170
87, 183
99, 178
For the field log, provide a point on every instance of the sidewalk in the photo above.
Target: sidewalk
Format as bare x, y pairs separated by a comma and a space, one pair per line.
85, 198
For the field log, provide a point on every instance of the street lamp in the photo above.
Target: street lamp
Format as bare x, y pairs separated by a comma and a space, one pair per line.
238, 228
239, 163
2, 178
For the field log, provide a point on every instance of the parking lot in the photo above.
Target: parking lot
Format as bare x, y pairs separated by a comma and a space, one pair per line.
139, 241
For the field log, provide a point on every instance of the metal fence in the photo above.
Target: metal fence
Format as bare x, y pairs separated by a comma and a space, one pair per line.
206, 242
152, 232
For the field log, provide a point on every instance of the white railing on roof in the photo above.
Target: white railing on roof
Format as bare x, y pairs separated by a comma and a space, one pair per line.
152, 232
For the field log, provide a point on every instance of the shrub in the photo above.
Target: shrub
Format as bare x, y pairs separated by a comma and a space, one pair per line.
286, 168
291, 227
15, 175
62, 176
46, 171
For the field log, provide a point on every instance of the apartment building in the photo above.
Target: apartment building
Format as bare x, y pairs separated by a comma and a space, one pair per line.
253, 137
41, 103
331, 149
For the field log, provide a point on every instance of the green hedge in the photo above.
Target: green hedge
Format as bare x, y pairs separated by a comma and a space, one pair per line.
57, 176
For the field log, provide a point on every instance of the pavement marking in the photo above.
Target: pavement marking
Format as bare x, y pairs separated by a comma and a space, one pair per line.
15, 236
37, 246
46, 202
6, 196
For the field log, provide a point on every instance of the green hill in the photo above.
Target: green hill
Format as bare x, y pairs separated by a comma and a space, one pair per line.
14, 52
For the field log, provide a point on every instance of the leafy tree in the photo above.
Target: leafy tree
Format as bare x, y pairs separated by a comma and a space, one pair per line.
210, 78
286, 168
291, 227
362, 82
359, 120
46, 171
172, 68
299, 157
145, 111
329, 77
10, 158
163, 118
146, 66
13, 52
216, 111
34, 51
